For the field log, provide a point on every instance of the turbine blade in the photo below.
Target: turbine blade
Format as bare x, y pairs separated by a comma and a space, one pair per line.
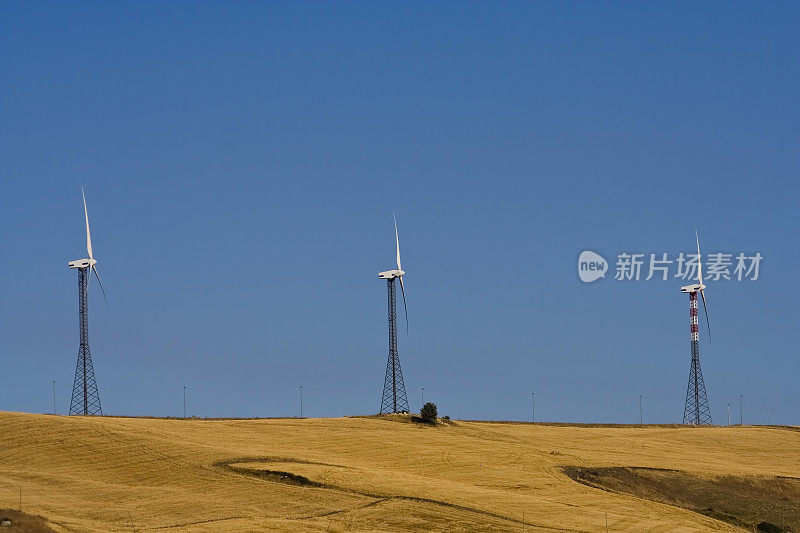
397, 240
98, 281
403, 290
699, 262
88, 235
708, 323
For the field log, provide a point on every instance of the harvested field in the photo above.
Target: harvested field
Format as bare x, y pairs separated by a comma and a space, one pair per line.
378, 474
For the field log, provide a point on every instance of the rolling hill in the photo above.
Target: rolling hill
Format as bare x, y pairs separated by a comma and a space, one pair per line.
390, 474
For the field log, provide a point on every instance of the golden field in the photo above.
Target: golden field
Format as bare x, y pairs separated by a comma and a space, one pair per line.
363, 473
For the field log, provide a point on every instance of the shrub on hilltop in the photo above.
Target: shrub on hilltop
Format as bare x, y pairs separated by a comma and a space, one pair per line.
429, 412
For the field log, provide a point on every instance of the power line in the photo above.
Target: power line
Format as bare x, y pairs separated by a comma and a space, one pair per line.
763, 399
232, 391
333, 391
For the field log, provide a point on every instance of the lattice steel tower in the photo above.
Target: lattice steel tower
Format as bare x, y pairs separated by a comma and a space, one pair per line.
394, 398
85, 398
696, 410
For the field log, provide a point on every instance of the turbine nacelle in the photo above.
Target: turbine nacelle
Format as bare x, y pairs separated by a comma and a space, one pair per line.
82, 263
693, 288
391, 274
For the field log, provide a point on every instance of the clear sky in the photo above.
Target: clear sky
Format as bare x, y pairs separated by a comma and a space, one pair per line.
242, 161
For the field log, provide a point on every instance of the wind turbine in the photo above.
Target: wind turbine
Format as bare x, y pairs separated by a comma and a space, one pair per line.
85, 397
394, 398
696, 410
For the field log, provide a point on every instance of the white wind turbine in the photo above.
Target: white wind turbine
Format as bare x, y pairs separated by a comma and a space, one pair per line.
85, 396
696, 409
394, 399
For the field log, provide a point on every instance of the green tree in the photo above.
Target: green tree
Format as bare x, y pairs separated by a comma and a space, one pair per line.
429, 412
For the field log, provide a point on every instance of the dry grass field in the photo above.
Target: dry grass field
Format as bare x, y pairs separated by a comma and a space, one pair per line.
382, 474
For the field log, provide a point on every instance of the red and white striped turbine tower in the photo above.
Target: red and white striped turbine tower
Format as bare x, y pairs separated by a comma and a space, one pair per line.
696, 410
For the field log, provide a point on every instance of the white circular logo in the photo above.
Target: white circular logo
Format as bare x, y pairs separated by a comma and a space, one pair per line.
591, 266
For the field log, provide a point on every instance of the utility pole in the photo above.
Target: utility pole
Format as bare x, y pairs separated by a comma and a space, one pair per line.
423, 395
54, 397
533, 408
301, 401
184, 402
729, 414
741, 416
769, 418
641, 412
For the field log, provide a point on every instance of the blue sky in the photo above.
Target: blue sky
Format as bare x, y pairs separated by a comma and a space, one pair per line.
242, 161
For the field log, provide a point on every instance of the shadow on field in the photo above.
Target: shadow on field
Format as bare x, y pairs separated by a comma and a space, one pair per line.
17, 522
770, 504
256, 467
